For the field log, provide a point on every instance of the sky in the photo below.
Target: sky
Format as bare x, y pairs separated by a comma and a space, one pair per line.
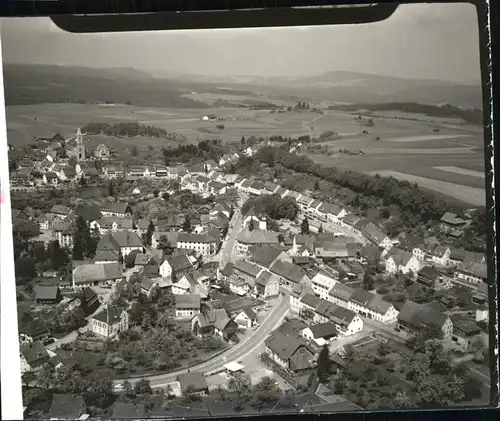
419, 41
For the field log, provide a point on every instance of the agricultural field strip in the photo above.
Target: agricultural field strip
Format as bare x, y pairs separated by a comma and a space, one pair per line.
462, 171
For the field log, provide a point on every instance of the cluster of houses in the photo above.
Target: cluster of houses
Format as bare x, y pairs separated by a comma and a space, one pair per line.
68, 160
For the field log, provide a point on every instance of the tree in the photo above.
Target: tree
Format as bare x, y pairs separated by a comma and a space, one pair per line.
82, 240
251, 225
316, 186
149, 234
186, 225
304, 228
111, 190
418, 370
243, 140
142, 387
58, 258
323, 368
368, 282
130, 259
77, 252
156, 193
281, 239
265, 393
241, 385
165, 245
288, 400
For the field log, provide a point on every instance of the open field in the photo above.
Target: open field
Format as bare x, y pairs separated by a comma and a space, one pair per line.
462, 171
26, 122
411, 149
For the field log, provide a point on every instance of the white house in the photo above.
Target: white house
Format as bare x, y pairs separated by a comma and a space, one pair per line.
187, 306
372, 306
266, 285
238, 285
323, 282
109, 322
434, 253
259, 222
472, 272
401, 261
375, 235
246, 318
203, 244
179, 265
298, 292
119, 210
184, 284
321, 333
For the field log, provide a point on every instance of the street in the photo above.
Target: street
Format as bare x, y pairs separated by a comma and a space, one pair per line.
236, 353
227, 249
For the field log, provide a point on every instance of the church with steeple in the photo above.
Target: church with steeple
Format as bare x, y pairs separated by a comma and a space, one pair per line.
75, 147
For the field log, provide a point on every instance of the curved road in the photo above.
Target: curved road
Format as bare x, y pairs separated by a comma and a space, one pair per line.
237, 352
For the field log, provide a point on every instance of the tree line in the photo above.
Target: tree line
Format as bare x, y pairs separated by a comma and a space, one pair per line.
206, 149
273, 206
408, 196
472, 115
129, 129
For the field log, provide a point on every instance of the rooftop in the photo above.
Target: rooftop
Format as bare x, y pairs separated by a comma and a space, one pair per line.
90, 272
419, 316
289, 271
187, 301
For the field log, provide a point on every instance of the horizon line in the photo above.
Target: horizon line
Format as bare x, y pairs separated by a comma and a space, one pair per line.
178, 74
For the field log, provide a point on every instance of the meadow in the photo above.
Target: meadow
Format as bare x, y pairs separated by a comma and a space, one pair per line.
446, 151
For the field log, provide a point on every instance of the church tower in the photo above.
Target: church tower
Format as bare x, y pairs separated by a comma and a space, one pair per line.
79, 137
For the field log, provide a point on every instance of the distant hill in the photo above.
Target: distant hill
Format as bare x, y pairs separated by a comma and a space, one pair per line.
354, 87
28, 84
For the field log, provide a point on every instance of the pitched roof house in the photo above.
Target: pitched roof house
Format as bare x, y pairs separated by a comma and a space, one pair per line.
289, 352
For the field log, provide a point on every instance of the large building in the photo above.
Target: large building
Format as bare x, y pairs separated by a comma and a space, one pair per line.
92, 274
109, 322
203, 244
415, 318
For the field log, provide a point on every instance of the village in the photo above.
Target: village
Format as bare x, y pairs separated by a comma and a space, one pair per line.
190, 289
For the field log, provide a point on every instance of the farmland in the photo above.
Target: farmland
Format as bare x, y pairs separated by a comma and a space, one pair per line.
430, 151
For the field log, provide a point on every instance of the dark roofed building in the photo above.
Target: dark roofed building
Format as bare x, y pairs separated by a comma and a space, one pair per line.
266, 255
34, 355
289, 352
47, 294
36, 329
310, 301
361, 297
450, 221
124, 410
89, 213
415, 317
289, 273
67, 407
193, 383
325, 331
341, 294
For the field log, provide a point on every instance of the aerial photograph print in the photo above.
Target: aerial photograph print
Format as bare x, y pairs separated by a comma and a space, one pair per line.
228, 222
